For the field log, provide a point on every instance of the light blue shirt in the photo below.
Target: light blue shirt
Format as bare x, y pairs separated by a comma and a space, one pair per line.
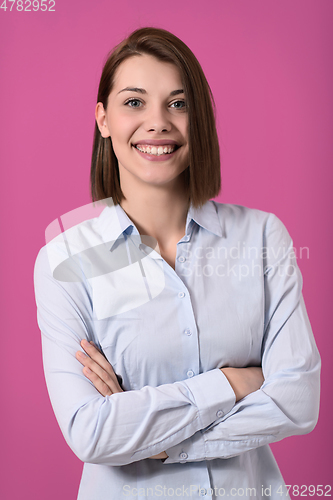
234, 299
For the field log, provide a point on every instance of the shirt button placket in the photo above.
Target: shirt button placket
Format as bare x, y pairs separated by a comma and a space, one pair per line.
190, 373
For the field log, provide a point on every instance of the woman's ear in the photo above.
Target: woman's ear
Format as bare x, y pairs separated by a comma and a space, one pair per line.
100, 115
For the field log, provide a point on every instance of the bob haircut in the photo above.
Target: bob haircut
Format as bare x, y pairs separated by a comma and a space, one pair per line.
203, 177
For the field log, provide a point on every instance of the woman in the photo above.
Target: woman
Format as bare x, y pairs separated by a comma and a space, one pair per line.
186, 314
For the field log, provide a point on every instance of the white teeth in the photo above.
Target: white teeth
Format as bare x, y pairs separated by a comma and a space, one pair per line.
156, 151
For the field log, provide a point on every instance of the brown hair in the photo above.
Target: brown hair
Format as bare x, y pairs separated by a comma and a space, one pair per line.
203, 176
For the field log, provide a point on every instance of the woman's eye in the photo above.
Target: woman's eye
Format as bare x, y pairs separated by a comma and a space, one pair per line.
135, 101
179, 104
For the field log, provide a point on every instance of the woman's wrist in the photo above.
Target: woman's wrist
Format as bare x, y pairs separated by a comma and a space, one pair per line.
231, 376
243, 381
162, 456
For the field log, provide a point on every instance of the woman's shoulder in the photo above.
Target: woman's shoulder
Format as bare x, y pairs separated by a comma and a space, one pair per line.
68, 241
250, 220
231, 214
235, 211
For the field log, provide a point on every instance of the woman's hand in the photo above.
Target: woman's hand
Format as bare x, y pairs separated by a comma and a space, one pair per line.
160, 455
98, 370
244, 380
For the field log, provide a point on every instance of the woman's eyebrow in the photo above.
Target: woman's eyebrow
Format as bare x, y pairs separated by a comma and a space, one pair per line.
143, 91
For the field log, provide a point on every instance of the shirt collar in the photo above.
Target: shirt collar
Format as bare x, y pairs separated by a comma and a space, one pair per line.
114, 222
206, 217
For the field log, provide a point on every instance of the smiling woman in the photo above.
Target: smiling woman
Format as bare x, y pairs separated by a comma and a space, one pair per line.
152, 127
157, 77
171, 367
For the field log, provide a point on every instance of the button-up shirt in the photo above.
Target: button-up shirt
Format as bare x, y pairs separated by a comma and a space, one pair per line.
234, 299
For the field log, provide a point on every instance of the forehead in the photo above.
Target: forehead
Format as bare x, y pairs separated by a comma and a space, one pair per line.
147, 72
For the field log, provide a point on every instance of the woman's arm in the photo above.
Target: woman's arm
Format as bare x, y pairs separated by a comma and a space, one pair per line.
100, 372
126, 426
288, 401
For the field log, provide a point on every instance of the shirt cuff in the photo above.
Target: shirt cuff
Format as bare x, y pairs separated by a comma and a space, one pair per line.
190, 450
214, 397
212, 394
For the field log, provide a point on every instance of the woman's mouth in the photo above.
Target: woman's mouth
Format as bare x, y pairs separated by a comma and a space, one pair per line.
156, 153
156, 150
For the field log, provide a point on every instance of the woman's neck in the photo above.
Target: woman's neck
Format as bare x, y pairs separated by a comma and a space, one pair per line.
159, 212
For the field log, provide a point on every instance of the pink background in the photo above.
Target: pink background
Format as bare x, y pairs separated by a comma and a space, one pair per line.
269, 64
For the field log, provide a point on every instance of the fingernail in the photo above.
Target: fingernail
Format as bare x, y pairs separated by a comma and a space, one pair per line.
81, 355
84, 342
87, 370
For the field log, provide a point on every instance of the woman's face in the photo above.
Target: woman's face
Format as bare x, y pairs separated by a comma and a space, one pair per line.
147, 110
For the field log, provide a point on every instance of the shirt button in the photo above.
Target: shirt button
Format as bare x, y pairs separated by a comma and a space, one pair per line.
190, 373
181, 259
203, 492
219, 413
183, 455
188, 332
181, 295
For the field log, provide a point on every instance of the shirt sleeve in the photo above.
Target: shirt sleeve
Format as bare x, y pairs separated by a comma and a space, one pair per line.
127, 426
288, 401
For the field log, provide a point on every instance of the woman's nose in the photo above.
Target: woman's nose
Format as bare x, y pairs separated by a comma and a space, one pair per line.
157, 119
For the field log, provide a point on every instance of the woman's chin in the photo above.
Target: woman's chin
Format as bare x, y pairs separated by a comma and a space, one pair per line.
150, 177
